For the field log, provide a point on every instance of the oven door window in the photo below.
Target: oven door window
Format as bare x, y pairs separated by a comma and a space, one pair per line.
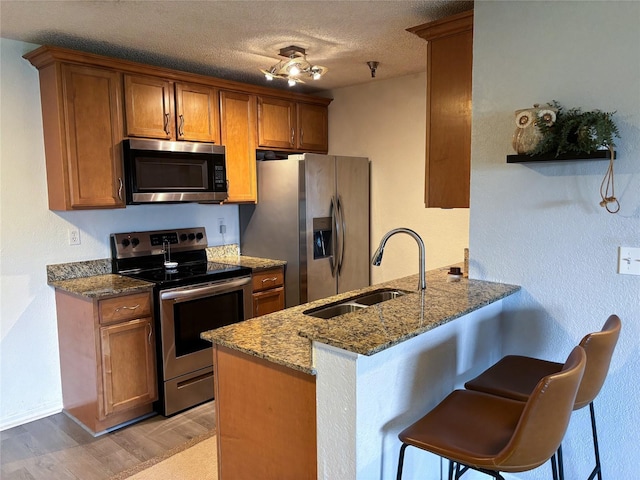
196, 316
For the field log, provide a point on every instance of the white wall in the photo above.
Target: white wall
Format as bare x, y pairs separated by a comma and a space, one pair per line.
540, 226
386, 121
33, 236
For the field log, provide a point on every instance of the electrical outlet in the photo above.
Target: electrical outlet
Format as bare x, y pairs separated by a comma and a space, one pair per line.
629, 260
74, 236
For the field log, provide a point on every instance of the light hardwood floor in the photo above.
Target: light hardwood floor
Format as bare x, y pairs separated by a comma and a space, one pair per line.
57, 448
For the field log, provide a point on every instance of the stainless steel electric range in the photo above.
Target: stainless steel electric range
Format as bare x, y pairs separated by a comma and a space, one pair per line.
191, 295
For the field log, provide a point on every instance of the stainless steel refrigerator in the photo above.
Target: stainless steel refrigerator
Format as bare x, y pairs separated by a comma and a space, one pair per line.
313, 212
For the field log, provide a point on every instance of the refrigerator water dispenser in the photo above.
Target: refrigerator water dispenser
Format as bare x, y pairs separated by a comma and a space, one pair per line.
322, 232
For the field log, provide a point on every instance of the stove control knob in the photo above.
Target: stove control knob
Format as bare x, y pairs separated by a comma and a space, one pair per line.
183, 237
191, 236
135, 242
125, 242
199, 235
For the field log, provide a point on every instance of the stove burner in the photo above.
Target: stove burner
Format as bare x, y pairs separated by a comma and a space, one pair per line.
189, 274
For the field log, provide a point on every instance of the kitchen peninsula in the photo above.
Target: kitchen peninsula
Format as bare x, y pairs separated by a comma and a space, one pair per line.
302, 397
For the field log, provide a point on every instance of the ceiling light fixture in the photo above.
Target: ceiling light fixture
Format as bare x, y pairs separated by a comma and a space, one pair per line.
295, 68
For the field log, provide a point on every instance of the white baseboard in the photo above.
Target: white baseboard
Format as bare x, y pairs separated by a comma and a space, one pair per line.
30, 416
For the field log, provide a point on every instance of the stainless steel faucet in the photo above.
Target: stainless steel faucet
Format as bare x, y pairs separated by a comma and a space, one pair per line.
376, 260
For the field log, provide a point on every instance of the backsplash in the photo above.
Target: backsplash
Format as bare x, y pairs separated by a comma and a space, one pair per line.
66, 271
89, 268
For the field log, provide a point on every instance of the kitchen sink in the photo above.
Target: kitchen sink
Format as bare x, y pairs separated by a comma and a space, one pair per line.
378, 296
335, 310
355, 304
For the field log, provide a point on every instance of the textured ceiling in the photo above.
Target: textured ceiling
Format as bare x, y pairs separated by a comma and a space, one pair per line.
233, 39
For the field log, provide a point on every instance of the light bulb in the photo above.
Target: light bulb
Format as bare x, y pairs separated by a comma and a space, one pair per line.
316, 75
291, 82
268, 76
294, 70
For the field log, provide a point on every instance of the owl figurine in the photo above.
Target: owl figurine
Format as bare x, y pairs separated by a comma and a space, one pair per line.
527, 135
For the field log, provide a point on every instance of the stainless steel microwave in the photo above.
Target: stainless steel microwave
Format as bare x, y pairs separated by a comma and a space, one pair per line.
172, 172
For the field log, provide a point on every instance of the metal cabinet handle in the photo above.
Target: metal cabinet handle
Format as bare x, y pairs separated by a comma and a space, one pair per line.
272, 279
124, 307
166, 124
293, 136
301, 136
181, 127
120, 186
150, 333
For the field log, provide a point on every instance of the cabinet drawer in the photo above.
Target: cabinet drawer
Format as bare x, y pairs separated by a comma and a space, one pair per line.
125, 307
268, 279
268, 301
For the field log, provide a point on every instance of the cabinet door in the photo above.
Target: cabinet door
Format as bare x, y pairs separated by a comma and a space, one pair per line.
238, 127
448, 133
313, 130
197, 114
92, 115
268, 301
276, 123
128, 365
148, 107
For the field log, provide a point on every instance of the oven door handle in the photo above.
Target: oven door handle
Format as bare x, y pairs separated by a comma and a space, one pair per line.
186, 294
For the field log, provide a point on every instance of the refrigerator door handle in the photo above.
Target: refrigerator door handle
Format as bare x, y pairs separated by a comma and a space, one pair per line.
341, 237
333, 259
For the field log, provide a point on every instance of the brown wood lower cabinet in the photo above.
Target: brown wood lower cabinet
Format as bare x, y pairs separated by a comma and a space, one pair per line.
128, 370
266, 419
268, 291
107, 358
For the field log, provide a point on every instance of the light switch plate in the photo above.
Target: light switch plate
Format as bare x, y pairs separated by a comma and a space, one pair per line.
629, 260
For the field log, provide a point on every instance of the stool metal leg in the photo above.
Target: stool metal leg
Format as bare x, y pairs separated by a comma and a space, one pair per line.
554, 467
597, 469
401, 461
451, 464
560, 463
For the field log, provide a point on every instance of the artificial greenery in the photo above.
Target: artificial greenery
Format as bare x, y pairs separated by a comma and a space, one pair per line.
576, 132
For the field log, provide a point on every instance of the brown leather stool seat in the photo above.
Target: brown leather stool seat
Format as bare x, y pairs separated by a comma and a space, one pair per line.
491, 434
515, 377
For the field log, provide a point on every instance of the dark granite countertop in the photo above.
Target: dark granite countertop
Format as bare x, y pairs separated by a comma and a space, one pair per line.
285, 337
93, 278
97, 286
254, 263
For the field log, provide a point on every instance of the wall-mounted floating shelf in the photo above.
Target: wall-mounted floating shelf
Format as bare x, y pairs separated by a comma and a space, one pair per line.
599, 155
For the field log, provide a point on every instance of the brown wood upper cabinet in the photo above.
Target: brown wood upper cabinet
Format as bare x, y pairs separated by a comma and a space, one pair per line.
159, 108
197, 113
449, 67
290, 125
238, 120
313, 125
91, 102
82, 120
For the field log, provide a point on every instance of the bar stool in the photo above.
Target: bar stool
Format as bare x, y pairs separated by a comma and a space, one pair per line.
491, 434
516, 376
